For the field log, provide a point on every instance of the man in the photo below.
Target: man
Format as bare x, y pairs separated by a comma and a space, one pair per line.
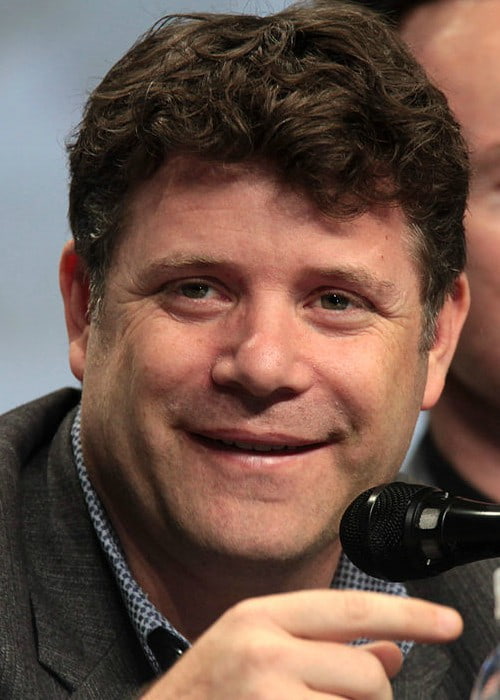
458, 43
263, 289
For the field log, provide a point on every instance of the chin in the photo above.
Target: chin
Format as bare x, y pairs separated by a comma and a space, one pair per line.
260, 547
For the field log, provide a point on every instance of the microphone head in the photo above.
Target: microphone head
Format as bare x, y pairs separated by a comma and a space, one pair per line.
372, 532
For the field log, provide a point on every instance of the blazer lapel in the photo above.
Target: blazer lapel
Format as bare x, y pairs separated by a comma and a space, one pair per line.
83, 630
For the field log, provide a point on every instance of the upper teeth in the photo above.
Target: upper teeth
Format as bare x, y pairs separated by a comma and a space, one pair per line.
252, 446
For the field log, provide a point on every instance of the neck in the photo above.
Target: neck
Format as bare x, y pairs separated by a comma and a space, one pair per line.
194, 592
466, 430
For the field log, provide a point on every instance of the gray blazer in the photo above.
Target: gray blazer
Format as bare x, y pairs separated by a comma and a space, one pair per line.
63, 628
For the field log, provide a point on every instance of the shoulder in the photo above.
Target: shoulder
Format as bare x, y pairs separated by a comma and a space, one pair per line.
27, 427
26, 433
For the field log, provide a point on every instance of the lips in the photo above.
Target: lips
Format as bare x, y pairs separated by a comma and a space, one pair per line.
257, 446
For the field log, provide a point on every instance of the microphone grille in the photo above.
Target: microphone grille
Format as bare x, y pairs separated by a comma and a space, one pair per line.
372, 532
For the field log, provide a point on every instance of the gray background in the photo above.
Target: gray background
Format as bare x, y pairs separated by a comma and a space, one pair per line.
52, 53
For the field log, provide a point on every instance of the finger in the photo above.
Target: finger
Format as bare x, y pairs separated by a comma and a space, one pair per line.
389, 655
347, 615
355, 672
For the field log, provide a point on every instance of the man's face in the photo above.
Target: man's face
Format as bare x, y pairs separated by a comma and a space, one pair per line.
458, 42
255, 367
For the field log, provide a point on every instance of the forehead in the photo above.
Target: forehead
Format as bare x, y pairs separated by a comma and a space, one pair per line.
188, 181
244, 216
185, 178
184, 186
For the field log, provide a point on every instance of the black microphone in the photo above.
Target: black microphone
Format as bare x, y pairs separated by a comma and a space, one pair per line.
403, 531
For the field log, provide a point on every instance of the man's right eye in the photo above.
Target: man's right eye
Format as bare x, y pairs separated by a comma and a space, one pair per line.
194, 290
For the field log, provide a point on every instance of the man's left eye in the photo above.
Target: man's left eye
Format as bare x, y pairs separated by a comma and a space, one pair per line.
194, 290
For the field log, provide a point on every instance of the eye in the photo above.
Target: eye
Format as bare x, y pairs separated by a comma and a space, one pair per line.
194, 298
338, 300
335, 301
194, 290
340, 310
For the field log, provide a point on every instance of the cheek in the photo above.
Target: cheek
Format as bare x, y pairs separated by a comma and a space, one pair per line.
163, 360
377, 384
390, 390
373, 365
482, 225
483, 275
478, 348
483, 322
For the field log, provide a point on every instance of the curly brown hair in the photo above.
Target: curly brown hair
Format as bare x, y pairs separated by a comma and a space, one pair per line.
325, 94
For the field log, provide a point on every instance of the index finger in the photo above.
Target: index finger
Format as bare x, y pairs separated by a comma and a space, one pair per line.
346, 615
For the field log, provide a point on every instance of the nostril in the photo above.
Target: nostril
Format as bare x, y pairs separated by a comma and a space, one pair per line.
263, 372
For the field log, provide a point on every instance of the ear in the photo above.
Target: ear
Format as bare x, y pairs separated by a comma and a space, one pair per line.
449, 324
73, 281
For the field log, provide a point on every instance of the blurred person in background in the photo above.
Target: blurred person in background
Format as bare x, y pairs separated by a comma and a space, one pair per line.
458, 44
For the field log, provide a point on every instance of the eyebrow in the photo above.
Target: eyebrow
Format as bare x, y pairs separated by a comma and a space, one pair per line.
181, 261
353, 274
345, 274
153, 271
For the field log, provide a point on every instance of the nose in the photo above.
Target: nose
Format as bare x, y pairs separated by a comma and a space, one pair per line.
262, 355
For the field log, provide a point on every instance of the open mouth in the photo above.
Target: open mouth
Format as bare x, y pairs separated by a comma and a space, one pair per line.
253, 447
